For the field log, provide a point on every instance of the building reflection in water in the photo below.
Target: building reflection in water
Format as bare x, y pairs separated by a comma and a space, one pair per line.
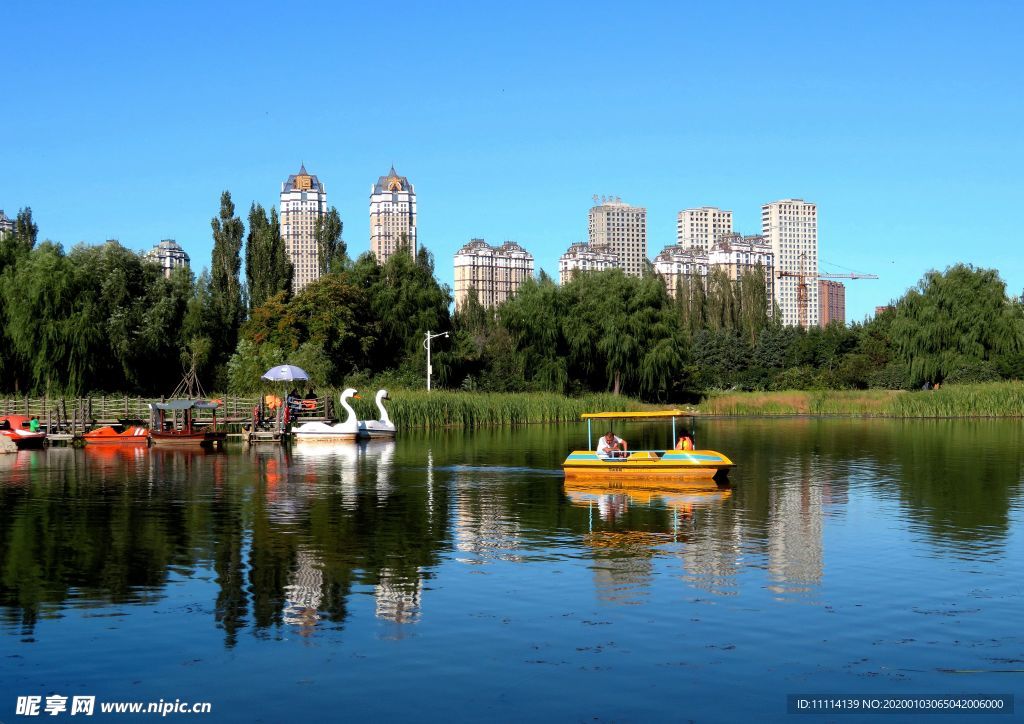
795, 536
485, 528
304, 592
628, 528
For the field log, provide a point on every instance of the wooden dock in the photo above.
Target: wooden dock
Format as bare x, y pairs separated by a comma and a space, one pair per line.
65, 420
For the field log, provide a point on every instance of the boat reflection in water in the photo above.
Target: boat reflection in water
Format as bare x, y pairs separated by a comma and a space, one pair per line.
629, 526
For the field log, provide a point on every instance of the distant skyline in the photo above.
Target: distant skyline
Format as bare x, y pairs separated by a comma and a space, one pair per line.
901, 122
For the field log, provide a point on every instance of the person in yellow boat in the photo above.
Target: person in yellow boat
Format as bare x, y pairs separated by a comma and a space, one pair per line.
612, 446
685, 443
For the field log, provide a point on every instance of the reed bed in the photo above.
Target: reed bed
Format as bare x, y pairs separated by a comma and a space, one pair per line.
444, 408
991, 399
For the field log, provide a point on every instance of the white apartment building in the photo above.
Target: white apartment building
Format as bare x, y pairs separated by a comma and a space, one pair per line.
622, 229
791, 227
495, 272
6, 225
738, 254
169, 255
582, 257
675, 262
392, 215
303, 202
700, 228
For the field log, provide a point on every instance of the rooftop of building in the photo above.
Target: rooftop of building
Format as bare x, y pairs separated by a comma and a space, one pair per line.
314, 184
479, 247
392, 182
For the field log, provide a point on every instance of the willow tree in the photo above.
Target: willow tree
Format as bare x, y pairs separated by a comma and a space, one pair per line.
955, 318
267, 268
622, 332
534, 320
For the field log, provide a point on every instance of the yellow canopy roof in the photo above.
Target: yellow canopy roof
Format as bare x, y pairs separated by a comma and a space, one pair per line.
633, 415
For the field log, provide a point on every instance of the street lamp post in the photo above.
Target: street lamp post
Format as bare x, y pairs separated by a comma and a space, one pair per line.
426, 346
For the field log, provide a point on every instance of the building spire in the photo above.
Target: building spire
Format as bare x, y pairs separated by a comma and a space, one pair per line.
302, 169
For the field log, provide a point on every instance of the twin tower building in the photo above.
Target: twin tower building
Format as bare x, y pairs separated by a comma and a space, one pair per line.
304, 202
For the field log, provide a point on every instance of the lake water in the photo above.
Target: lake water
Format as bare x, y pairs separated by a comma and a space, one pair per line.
453, 576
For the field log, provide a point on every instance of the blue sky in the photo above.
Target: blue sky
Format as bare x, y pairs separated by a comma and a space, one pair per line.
902, 121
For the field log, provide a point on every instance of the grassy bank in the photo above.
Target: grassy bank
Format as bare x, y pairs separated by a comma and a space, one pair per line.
993, 399
443, 408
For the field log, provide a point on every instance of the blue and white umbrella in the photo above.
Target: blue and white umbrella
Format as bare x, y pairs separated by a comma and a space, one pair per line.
286, 373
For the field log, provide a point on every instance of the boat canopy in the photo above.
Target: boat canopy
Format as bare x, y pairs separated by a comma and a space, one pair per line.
186, 405
653, 414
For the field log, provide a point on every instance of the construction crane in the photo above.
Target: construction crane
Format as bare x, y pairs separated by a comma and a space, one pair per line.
803, 275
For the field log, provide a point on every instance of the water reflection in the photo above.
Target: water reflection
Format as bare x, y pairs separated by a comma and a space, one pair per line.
296, 540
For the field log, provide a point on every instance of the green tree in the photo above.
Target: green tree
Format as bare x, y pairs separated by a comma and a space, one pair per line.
955, 320
331, 250
227, 306
267, 268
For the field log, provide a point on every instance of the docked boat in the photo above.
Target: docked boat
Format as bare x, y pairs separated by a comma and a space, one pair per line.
110, 435
176, 423
382, 428
18, 429
344, 431
640, 465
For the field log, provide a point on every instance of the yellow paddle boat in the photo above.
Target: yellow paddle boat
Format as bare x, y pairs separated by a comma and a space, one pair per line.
631, 466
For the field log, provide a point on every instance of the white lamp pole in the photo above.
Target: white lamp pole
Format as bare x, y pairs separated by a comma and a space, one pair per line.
426, 346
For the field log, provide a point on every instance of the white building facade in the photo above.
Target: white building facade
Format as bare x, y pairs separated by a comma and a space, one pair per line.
495, 272
582, 257
700, 228
169, 255
303, 203
6, 224
392, 216
791, 227
738, 254
675, 262
622, 229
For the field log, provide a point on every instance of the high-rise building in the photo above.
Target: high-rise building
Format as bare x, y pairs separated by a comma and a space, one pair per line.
831, 302
169, 255
791, 227
675, 262
392, 216
495, 272
6, 225
582, 257
303, 203
738, 254
622, 229
700, 228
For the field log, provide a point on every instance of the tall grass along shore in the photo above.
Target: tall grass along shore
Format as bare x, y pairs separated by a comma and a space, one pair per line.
992, 399
441, 408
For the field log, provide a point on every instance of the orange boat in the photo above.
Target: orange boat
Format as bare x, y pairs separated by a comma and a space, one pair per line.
134, 435
18, 429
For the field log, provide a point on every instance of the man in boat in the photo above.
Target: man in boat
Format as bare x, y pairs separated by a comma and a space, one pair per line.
612, 446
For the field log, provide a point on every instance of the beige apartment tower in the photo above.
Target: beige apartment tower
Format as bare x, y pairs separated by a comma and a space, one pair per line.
791, 227
700, 228
303, 203
392, 216
621, 229
495, 272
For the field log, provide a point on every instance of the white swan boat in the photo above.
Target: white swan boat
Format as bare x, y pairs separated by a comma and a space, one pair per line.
346, 430
382, 428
